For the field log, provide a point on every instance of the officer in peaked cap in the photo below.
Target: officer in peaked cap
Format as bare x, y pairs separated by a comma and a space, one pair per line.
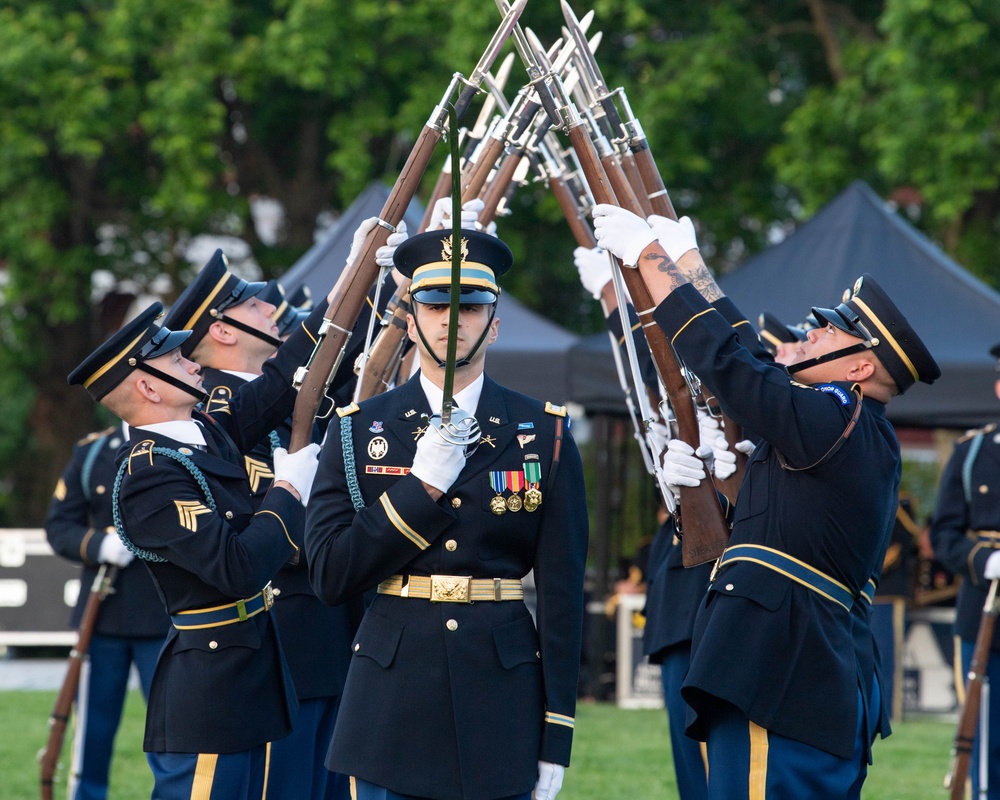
400, 510
221, 690
785, 678
870, 315
212, 297
964, 534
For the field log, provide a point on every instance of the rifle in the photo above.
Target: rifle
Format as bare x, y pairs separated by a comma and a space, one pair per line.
313, 380
968, 720
48, 756
705, 531
643, 176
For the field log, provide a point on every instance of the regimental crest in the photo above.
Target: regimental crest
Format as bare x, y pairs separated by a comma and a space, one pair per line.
447, 249
188, 512
257, 471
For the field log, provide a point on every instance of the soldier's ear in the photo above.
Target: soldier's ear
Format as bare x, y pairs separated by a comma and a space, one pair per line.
220, 332
411, 328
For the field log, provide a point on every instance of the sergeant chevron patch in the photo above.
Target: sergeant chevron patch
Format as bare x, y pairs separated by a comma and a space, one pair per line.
257, 471
188, 511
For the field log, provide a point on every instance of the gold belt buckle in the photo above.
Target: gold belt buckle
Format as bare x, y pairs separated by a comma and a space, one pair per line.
268, 594
450, 588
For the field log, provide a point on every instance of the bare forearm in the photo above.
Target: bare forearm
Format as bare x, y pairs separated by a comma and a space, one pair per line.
693, 267
660, 274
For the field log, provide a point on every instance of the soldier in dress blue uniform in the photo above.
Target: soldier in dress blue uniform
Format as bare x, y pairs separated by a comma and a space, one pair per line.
965, 534
131, 624
231, 345
673, 592
222, 690
783, 682
453, 691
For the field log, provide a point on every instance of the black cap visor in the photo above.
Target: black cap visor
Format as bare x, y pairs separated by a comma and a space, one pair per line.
831, 316
164, 341
241, 292
441, 296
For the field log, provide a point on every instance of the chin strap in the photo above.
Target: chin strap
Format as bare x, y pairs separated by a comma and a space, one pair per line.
266, 337
791, 369
200, 395
462, 361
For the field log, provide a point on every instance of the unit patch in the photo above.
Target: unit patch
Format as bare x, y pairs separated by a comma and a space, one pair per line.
836, 391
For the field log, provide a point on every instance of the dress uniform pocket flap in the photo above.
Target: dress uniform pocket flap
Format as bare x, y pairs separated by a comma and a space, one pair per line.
760, 584
516, 643
378, 639
242, 634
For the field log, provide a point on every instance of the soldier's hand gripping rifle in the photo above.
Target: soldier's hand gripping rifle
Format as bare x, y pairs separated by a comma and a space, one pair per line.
48, 756
968, 720
313, 380
705, 532
642, 174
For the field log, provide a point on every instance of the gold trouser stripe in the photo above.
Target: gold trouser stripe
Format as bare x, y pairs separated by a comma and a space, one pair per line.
204, 775
959, 668
703, 749
354, 788
758, 762
267, 769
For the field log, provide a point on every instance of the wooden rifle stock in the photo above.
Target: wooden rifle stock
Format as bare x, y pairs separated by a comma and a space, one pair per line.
659, 199
48, 757
968, 720
705, 531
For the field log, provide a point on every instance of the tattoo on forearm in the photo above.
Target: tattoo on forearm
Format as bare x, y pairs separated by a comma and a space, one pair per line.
705, 283
666, 265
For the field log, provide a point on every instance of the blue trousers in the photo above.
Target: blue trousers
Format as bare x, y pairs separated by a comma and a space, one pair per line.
362, 790
210, 776
689, 757
748, 762
993, 776
297, 768
99, 704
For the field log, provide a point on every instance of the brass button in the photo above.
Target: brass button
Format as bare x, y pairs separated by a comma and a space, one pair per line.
275, 591
357, 647
451, 545
451, 625
456, 502
100, 489
229, 515
729, 587
213, 645
984, 489
538, 654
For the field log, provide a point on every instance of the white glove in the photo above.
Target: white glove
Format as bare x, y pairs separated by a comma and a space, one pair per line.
114, 551
594, 267
383, 256
360, 235
723, 459
298, 468
436, 461
441, 215
725, 462
623, 233
550, 780
681, 467
745, 446
676, 237
992, 570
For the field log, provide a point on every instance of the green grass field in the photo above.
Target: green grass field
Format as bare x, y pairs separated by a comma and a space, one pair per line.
617, 754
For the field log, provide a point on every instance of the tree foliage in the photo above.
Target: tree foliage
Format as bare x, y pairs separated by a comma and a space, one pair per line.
131, 126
